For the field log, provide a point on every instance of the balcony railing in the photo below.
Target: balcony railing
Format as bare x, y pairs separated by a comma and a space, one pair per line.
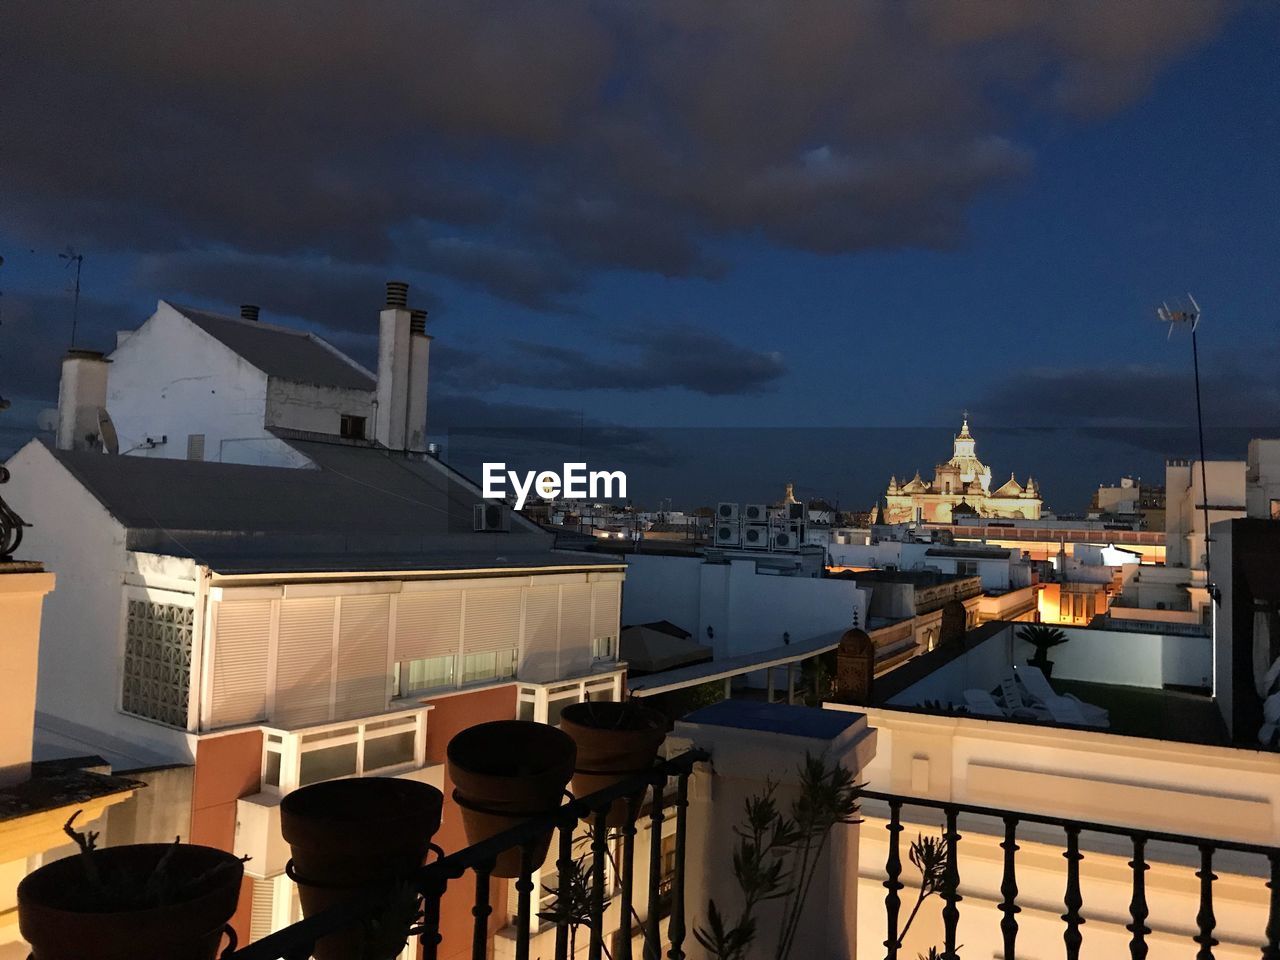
430, 882
1072, 918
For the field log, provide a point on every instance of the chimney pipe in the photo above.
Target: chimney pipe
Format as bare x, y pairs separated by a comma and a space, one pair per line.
249, 311
81, 394
397, 294
418, 322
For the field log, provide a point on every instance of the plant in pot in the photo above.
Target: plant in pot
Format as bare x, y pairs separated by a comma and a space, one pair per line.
615, 741
142, 901
1043, 638
352, 838
506, 772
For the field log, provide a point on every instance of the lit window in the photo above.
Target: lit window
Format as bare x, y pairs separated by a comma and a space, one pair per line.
602, 648
295, 759
431, 673
157, 662
351, 427
489, 666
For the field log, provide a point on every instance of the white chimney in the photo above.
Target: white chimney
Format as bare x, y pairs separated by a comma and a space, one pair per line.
81, 394
419, 354
389, 426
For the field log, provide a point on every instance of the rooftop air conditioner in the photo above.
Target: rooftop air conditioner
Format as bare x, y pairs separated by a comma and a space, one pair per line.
728, 534
489, 517
785, 538
755, 536
727, 511
755, 513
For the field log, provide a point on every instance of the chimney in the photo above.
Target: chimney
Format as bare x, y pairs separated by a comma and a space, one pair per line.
389, 427
419, 354
81, 394
249, 311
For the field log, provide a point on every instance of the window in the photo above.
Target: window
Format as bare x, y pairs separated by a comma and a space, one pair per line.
295, 759
1275, 509
967, 568
603, 648
157, 662
351, 427
429, 674
489, 666
195, 446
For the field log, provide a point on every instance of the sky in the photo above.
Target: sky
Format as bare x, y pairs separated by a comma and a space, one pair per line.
732, 244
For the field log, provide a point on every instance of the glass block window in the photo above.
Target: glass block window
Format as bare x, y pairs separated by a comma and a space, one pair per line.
157, 662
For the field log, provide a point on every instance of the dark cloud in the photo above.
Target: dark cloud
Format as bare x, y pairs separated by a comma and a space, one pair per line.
543, 139
36, 331
653, 359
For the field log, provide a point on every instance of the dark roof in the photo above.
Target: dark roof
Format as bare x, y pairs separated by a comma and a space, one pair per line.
666, 626
985, 553
282, 352
920, 578
361, 508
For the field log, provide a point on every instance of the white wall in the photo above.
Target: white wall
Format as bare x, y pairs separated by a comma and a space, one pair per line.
305, 406
1131, 659
81, 636
663, 588
864, 554
1263, 480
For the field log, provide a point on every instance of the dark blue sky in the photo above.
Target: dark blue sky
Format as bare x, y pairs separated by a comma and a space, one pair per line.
830, 215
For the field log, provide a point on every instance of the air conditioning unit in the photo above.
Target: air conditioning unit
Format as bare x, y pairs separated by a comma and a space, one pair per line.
755, 513
728, 534
489, 516
755, 536
796, 511
726, 511
786, 538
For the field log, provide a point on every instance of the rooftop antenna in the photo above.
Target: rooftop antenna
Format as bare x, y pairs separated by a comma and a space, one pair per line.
70, 256
1189, 317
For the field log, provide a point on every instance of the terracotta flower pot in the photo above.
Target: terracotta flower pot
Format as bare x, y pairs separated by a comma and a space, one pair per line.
615, 741
504, 773
350, 836
54, 918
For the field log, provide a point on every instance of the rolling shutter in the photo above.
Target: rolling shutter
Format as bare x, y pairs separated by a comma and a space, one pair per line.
363, 636
304, 662
241, 647
541, 634
606, 602
428, 624
491, 621
575, 628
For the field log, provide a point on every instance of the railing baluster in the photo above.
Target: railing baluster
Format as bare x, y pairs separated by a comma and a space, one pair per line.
524, 891
1138, 904
1272, 950
1205, 919
892, 883
1072, 899
653, 935
628, 878
675, 929
1009, 889
599, 852
481, 911
951, 887
564, 864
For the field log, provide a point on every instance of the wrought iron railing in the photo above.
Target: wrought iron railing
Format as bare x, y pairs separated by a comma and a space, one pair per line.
1073, 902
296, 942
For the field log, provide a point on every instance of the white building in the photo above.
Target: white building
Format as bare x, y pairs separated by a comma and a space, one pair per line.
189, 384
1262, 480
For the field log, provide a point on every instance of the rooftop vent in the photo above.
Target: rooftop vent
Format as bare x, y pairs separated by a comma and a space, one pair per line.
249, 311
418, 322
397, 294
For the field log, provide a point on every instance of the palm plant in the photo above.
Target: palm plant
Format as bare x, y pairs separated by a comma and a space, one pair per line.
1043, 638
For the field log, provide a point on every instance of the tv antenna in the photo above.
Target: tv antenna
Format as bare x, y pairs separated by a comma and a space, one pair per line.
1189, 317
70, 256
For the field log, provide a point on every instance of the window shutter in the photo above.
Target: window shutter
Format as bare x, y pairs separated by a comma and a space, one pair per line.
428, 624
363, 635
240, 650
541, 634
304, 662
491, 621
262, 918
575, 628
606, 601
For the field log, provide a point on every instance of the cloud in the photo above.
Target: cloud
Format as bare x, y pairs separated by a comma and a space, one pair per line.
655, 359
542, 140
37, 331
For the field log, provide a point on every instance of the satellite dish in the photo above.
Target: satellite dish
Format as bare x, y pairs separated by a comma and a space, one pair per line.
47, 420
107, 431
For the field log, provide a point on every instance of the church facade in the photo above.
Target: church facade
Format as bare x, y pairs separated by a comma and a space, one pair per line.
961, 487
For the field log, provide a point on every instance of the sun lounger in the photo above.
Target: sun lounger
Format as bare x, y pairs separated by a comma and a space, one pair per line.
982, 704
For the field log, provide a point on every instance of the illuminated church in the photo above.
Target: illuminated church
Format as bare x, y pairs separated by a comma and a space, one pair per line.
960, 487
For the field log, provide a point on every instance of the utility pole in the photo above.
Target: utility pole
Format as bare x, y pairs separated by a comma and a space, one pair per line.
70, 256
